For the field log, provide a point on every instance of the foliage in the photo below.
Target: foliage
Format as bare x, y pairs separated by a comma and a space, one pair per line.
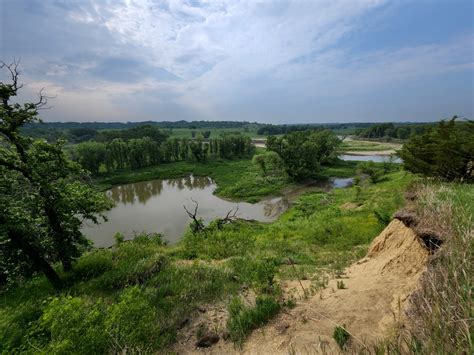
304, 152
269, 164
43, 195
371, 169
390, 130
446, 151
135, 153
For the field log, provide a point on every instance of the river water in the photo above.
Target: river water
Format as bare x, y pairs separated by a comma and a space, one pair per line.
157, 206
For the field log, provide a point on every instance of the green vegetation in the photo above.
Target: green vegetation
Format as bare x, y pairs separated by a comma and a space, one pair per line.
169, 283
43, 196
443, 307
389, 131
155, 148
446, 151
341, 336
367, 146
303, 153
242, 319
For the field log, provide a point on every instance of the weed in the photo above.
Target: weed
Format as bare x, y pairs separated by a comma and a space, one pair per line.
341, 336
242, 319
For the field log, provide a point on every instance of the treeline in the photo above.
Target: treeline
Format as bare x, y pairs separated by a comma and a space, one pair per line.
134, 153
271, 129
390, 130
67, 130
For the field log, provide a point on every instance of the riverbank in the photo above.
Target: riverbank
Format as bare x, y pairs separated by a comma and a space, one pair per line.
235, 179
141, 294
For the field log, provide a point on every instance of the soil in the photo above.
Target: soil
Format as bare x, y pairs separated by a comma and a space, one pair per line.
370, 303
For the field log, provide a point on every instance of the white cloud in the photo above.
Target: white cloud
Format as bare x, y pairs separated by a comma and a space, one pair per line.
261, 59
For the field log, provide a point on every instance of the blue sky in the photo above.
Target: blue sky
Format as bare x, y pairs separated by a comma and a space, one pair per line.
274, 61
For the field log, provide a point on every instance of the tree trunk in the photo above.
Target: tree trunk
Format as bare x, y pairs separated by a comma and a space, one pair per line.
38, 261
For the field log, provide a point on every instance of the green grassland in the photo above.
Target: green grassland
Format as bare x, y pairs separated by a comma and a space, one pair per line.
361, 145
137, 295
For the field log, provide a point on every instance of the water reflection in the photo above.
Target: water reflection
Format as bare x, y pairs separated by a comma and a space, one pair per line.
142, 191
157, 206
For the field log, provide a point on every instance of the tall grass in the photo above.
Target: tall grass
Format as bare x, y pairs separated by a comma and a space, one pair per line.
443, 309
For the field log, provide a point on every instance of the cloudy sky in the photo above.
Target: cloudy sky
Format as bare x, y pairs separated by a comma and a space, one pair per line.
273, 61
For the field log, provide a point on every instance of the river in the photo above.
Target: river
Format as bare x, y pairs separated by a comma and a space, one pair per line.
157, 206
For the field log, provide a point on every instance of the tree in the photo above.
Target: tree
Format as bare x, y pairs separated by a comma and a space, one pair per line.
44, 195
91, 155
446, 151
304, 152
270, 164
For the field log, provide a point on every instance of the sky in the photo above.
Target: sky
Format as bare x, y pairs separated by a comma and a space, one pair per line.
277, 62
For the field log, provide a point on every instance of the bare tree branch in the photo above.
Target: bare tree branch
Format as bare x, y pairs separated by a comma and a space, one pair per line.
197, 224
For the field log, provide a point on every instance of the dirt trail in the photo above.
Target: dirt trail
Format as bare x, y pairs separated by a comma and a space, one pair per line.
371, 305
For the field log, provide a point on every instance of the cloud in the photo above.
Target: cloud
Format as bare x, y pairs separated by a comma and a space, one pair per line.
267, 61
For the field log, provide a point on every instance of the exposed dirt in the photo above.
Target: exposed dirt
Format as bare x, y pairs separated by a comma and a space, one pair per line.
370, 303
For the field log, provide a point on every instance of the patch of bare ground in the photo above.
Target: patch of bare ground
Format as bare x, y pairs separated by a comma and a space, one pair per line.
369, 301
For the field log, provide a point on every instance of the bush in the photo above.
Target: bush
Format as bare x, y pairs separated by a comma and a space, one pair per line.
372, 170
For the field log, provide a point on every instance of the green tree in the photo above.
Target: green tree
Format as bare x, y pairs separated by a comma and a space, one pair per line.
269, 164
91, 155
304, 152
446, 151
44, 198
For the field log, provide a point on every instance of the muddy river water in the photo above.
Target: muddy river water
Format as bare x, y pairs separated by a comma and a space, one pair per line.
157, 206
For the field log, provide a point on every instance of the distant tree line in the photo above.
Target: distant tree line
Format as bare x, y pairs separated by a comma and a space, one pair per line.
390, 130
131, 153
272, 129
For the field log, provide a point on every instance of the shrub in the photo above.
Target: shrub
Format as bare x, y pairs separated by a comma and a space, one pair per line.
372, 170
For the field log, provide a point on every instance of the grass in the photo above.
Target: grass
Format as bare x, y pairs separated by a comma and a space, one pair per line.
361, 146
443, 309
341, 336
136, 296
244, 319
